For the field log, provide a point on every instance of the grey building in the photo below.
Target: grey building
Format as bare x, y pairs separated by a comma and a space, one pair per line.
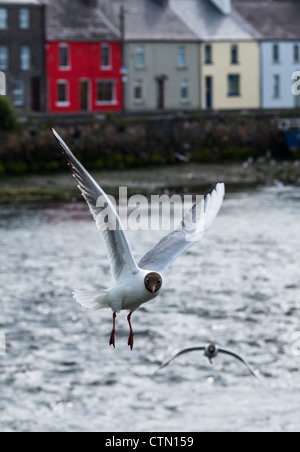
22, 52
160, 57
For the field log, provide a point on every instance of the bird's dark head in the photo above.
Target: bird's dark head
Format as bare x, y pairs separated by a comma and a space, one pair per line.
153, 282
211, 351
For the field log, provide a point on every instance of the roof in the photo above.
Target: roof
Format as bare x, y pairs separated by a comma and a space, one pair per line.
276, 20
21, 2
73, 20
208, 22
151, 20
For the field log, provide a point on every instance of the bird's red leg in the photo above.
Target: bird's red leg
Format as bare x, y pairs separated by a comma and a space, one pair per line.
131, 334
112, 336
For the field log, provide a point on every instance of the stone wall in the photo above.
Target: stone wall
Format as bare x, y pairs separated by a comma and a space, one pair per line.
119, 142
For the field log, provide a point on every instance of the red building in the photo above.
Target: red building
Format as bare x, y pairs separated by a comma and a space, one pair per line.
83, 59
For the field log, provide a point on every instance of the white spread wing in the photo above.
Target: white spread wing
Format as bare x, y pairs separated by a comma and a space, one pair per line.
193, 228
118, 249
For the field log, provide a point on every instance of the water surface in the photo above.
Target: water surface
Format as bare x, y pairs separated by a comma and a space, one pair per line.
240, 288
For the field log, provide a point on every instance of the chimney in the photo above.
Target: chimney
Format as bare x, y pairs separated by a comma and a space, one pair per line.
223, 5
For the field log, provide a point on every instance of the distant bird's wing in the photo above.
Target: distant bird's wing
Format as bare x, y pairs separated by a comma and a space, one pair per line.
181, 352
193, 228
203, 348
240, 358
104, 212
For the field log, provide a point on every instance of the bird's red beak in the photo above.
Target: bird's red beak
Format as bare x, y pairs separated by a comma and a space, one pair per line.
153, 289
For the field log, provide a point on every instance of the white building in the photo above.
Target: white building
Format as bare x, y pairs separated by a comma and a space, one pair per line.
276, 26
279, 60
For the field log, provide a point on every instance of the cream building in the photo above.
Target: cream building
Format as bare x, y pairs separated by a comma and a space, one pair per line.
229, 55
230, 75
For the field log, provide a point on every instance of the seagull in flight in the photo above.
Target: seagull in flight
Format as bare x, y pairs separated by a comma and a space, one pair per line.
210, 351
136, 284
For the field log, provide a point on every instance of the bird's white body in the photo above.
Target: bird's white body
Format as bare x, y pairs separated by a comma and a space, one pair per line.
130, 294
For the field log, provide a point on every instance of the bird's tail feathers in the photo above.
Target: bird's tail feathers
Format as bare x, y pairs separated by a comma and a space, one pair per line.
93, 301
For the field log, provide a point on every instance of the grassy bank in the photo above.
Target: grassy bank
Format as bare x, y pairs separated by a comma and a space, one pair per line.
184, 178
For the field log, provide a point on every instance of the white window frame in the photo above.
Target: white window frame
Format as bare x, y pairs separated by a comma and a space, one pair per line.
276, 86
64, 46
138, 85
107, 102
232, 80
18, 92
185, 87
3, 18
140, 57
107, 48
65, 103
181, 57
25, 58
234, 54
296, 53
24, 18
276, 53
4, 58
208, 53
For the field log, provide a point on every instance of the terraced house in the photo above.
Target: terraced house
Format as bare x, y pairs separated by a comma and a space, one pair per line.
83, 58
161, 57
149, 55
230, 62
276, 26
22, 52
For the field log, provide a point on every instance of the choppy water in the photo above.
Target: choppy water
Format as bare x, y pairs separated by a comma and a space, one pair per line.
239, 288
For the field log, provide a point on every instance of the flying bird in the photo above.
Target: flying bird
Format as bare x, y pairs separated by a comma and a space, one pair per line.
210, 351
136, 284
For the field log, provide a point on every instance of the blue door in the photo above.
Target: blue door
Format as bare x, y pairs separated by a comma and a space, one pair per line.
209, 92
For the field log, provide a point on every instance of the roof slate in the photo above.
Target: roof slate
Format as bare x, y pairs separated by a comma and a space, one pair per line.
150, 20
271, 20
73, 20
21, 2
208, 22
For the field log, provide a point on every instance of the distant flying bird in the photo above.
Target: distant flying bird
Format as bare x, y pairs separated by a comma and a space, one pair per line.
210, 351
136, 284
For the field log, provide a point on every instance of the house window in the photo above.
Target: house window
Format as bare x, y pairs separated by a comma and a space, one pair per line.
234, 54
18, 94
62, 93
140, 57
2, 84
25, 58
3, 18
24, 18
234, 85
208, 54
64, 56
105, 57
106, 92
276, 86
185, 91
276, 53
296, 53
181, 57
138, 92
3, 58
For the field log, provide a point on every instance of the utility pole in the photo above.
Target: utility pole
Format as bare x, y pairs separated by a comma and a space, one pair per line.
123, 67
